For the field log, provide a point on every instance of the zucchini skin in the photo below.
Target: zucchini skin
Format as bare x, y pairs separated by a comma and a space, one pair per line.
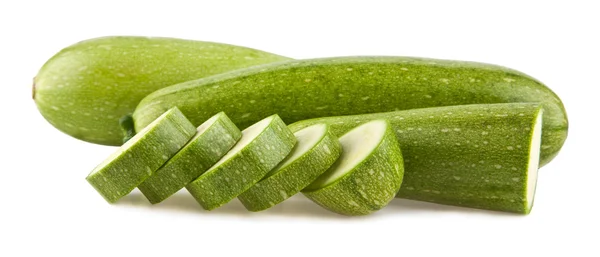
87, 87
473, 156
305, 89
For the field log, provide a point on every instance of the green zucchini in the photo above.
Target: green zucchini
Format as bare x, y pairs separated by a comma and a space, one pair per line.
261, 147
139, 157
213, 139
86, 88
480, 156
304, 89
367, 175
315, 151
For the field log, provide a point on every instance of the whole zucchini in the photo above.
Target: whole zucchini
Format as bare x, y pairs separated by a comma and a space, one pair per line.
303, 89
86, 88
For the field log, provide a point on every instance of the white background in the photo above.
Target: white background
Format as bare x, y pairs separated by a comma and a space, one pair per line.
48, 209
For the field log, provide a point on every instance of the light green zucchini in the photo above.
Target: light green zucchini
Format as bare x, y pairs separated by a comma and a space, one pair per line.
480, 156
304, 89
139, 157
213, 139
315, 151
86, 88
261, 147
367, 175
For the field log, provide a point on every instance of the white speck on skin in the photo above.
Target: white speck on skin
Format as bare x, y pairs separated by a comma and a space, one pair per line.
445, 130
427, 96
509, 80
485, 142
262, 161
165, 157
341, 95
245, 180
513, 168
321, 107
353, 203
246, 115
326, 148
510, 148
371, 172
148, 170
456, 177
227, 179
307, 80
400, 131
436, 192
404, 68
446, 81
252, 101
498, 166
349, 69
173, 175
121, 75
410, 188
456, 129
54, 108
515, 179
365, 98
484, 133
245, 168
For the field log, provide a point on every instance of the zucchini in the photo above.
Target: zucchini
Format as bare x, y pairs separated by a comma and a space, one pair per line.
315, 151
213, 139
480, 156
261, 147
355, 85
86, 88
139, 157
367, 175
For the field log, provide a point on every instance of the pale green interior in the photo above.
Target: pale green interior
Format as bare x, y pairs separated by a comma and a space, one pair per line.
306, 138
534, 157
248, 135
357, 145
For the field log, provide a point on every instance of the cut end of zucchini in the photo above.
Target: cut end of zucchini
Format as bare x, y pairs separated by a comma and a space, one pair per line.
248, 135
357, 146
367, 175
306, 138
534, 157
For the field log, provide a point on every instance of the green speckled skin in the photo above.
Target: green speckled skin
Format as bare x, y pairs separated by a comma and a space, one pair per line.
224, 182
289, 180
304, 89
86, 88
369, 186
473, 155
200, 153
137, 159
